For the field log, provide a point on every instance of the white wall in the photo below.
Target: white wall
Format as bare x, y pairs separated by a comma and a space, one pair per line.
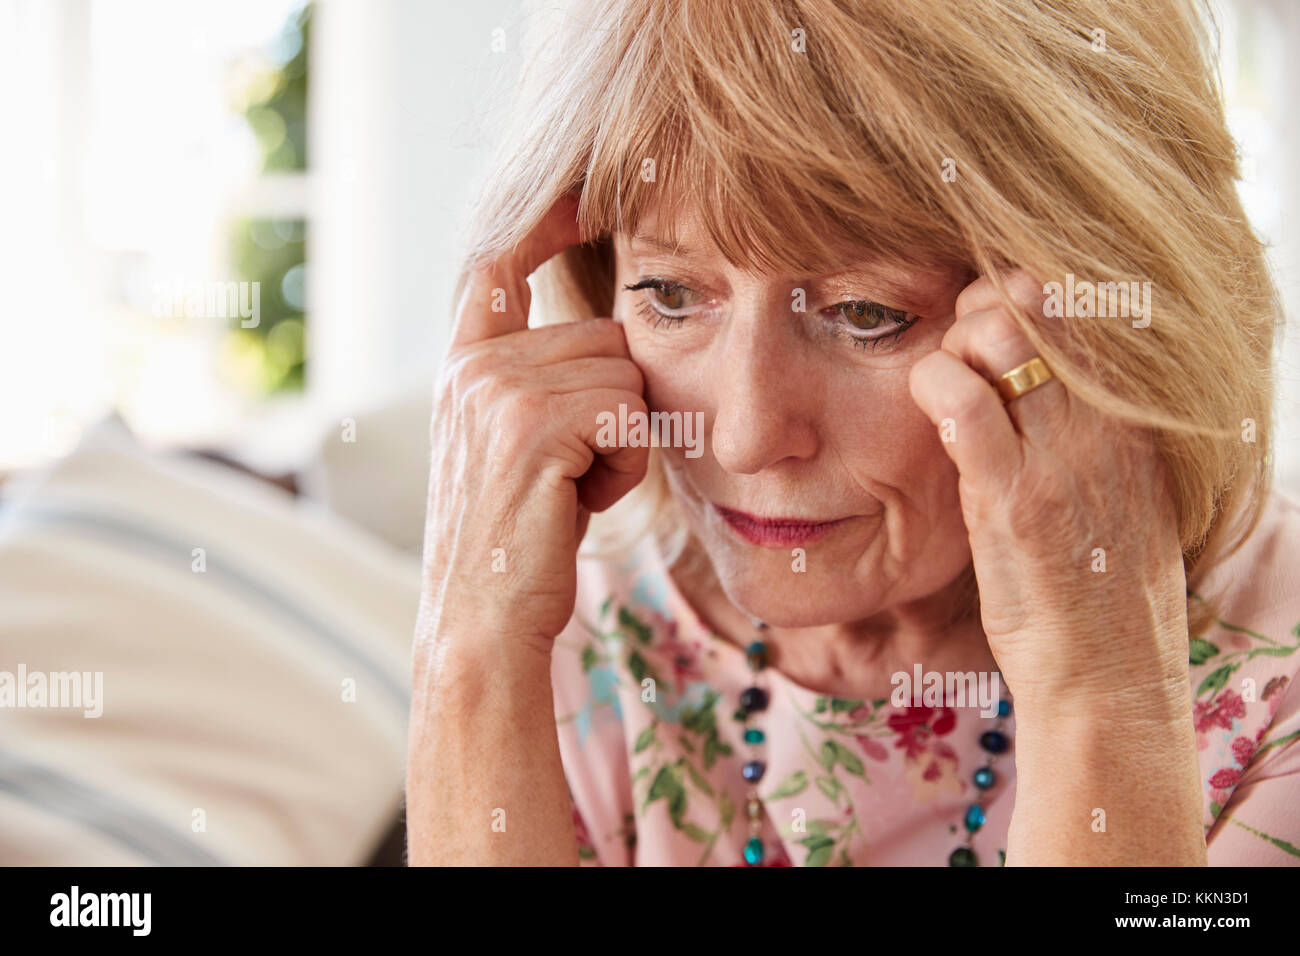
400, 101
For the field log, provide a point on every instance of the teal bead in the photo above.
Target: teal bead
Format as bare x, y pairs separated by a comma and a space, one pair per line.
985, 777
974, 817
963, 856
1004, 708
753, 736
754, 851
756, 654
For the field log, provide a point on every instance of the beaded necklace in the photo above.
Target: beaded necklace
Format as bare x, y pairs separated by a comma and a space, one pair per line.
754, 699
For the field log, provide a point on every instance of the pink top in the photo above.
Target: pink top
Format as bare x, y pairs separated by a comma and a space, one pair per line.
657, 782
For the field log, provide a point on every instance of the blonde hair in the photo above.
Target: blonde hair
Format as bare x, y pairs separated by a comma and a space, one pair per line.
798, 125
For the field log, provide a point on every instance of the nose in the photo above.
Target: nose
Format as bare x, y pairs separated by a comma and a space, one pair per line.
764, 399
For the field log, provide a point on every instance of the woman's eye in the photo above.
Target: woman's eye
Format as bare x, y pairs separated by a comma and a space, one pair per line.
870, 322
673, 297
867, 315
665, 303
665, 293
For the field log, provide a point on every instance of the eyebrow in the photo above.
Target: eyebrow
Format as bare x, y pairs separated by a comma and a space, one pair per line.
663, 245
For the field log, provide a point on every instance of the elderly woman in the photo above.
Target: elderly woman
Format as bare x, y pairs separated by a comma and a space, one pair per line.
927, 352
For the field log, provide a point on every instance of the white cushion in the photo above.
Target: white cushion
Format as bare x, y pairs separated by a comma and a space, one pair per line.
375, 470
223, 688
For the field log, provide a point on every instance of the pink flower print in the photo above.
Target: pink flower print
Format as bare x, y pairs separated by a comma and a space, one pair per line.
872, 748
1219, 713
1226, 778
1274, 686
916, 726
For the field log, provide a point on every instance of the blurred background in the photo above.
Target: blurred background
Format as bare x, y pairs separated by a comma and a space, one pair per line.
228, 237
159, 151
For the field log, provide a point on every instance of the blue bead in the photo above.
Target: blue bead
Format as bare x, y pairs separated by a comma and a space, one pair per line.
753, 699
974, 817
754, 851
963, 856
1004, 708
985, 778
756, 654
754, 736
753, 771
994, 741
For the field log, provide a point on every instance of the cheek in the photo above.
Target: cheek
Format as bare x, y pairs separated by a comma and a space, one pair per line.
673, 380
890, 447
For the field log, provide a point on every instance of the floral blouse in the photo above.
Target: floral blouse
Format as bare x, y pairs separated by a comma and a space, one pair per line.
654, 766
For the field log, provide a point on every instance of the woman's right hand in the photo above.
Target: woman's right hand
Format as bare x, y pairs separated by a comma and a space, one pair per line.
516, 469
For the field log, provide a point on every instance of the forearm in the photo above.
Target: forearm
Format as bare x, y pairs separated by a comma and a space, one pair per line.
1118, 786
485, 785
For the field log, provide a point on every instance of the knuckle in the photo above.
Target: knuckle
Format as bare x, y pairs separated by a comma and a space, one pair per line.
607, 334
970, 298
995, 333
634, 377
1023, 288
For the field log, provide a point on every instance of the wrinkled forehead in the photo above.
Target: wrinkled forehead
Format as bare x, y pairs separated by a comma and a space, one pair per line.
681, 234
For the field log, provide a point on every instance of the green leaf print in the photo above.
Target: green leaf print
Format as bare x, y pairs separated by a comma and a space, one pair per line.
827, 755
726, 810
1200, 651
847, 758
1279, 843
696, 833
636, 665
668, 786
820, 849
589, 658
794, 784
833, 752
631, 622
644, 739
697, 779
830, 786
1216, 680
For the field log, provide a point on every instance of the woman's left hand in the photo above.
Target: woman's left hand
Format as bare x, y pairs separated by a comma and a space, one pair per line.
1072, 527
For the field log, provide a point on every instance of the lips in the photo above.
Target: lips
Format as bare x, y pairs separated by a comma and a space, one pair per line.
776, 532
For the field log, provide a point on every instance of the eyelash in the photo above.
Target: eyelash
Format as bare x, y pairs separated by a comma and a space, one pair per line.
657, 318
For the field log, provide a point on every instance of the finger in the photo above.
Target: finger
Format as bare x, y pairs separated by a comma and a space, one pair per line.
582, 374
550, 344
616, 469
973, 423
992, 344
496, 296
981, 294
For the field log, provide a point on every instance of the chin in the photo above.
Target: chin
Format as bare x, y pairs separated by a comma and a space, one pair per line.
796, 603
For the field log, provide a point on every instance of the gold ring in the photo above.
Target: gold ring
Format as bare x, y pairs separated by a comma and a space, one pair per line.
1023, 378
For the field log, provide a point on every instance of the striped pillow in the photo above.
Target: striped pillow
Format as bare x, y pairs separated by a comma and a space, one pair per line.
251, 653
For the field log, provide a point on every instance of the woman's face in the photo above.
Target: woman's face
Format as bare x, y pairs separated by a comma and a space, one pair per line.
823, 494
